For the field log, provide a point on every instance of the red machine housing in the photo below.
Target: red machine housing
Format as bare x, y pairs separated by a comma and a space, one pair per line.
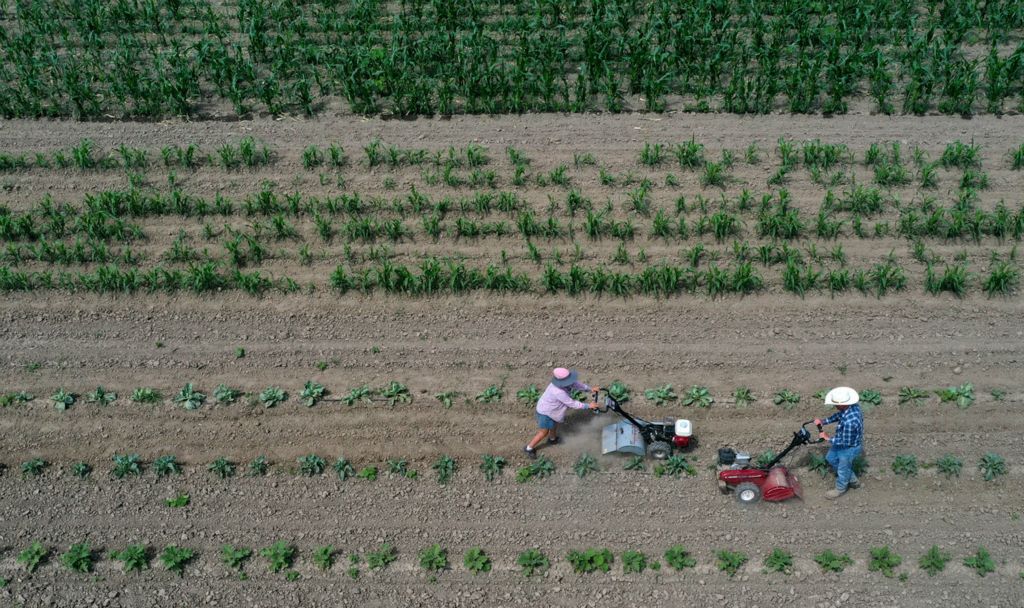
775, 484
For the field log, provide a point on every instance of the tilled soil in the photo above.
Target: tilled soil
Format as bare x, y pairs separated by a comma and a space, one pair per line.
767, 342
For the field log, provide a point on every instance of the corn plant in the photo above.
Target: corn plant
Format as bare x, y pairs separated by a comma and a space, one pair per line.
529, 394
779, 561
133, 558
34, 556
34, 467
661, 395
165, 466
382, 557
225, 395
730, 561
786, 398
279, 555
367, 473
1002, 280
884, 560
949, 465
396, 393
636, 463
678, 558
312, 393
633, 562
234, 557
992, 466
981, 562
914, 396
101, 396
585, 465
743, 396
145, 395
962, 395
323, 557
222, 467
344, 469
934, 560
476, 561
699, 396
492, 466
491, 394
62, 400
174, 558
126, 464
357, 395
830, 562
311, 465
905, 465
272, 396
445, 468
258, 466
590, 560
81, 470
189, 398
538, 469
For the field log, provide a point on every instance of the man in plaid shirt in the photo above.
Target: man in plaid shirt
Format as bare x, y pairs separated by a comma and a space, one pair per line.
847, 443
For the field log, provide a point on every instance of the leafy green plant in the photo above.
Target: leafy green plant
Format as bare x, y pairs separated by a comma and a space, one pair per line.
33, 557
78, 558
367, 473
661, 395
962, 395
699, 396
312, 393
33, 467
529, 394
730, 561
234, 557
764, 458
445, 468
492, 466
133, 558
434, 558
101, 396
311, 465
538, 469
677, 465
590, 560
743, 396
222, 467
81, 470
532, 561
619, 391
279, 555
636, 463
818, 464
258, 466
859, 465
786, 398
905, 465
174, 558
491, 394
884, 560
934, 561
344, 469
447, 398
126, 464
189, 398
909, 394
396, 393
62, 399
585, 465
830, 562
167, 465
949, 465
779, 561
225, 395
870, 397
476, 561
382, 557
18, 398
981, 562
678, 557
145, 395
323, 557
633, 562
179, 501
992, 466
272, 396
359, 394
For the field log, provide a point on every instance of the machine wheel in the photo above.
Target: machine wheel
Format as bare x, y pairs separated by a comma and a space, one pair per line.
659, 450
748, 493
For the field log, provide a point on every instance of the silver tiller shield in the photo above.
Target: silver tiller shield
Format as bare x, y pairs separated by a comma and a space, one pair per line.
623, 438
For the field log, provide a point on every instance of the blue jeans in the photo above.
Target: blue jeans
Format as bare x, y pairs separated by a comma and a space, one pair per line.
841, 460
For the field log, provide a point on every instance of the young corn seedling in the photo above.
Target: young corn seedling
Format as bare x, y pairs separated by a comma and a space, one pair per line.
165, 466
538, 469
476, 561
234, 557
742, 396
34, 467
699, 396
447, 398
532, 561
126, 464
78, 558
905, 465
934, 561
528, 395
445, 468
174, 558
962, 395
492, 466
222, 467
779, 561
786, 398
830, 562
323, 557
258, 466
33, 557
434, 558
189, 398
730, 562
312, 393
949, 465
981, 562
491, 394
884, 560
678, 558
344, 469
225, 395
585, 465
81, 470
311, 465
382, 557
360, 394
101, 396
635, 463
279, 555
134, 558
145, 395
911, 395
62, 400
590, 560
367, 473
272, 396
661, 395
396, 393
992, 466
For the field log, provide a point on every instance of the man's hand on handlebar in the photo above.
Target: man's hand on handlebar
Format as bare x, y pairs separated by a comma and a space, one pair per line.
823, 435
817, 422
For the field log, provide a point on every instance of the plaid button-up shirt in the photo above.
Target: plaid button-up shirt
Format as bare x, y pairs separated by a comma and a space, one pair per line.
850, 431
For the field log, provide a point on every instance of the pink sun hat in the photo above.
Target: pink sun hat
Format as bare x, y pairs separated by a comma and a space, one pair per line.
563, 378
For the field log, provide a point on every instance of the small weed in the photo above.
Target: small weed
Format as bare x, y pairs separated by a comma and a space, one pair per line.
292, 575
234, 557
934, 561
491, 394
981, 562
730, 561
447, 398
636, 463
830, 562
532, 561
884, 560
743, 396
222, 467
81, 470
34, 467
819, 464
258, 466
367, 473
239, 353
165, 466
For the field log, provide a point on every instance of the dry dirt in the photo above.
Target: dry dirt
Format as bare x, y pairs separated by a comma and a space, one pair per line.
768, 342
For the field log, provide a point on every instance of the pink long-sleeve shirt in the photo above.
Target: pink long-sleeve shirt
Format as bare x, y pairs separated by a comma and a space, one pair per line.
556, 401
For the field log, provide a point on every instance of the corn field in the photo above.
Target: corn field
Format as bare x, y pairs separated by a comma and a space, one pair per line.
153, 58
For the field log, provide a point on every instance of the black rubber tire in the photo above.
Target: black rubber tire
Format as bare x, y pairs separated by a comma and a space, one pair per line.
659, 450
748, 493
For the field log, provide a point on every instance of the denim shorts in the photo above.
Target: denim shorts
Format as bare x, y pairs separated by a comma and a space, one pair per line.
545, 422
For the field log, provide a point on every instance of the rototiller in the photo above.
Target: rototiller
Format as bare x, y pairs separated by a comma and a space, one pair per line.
641, 437
772, 482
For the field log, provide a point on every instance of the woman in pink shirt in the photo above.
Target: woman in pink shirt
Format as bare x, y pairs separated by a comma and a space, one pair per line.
553, 404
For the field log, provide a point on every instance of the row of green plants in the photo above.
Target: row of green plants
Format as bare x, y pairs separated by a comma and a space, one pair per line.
166, 58
281, 558
395, 393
